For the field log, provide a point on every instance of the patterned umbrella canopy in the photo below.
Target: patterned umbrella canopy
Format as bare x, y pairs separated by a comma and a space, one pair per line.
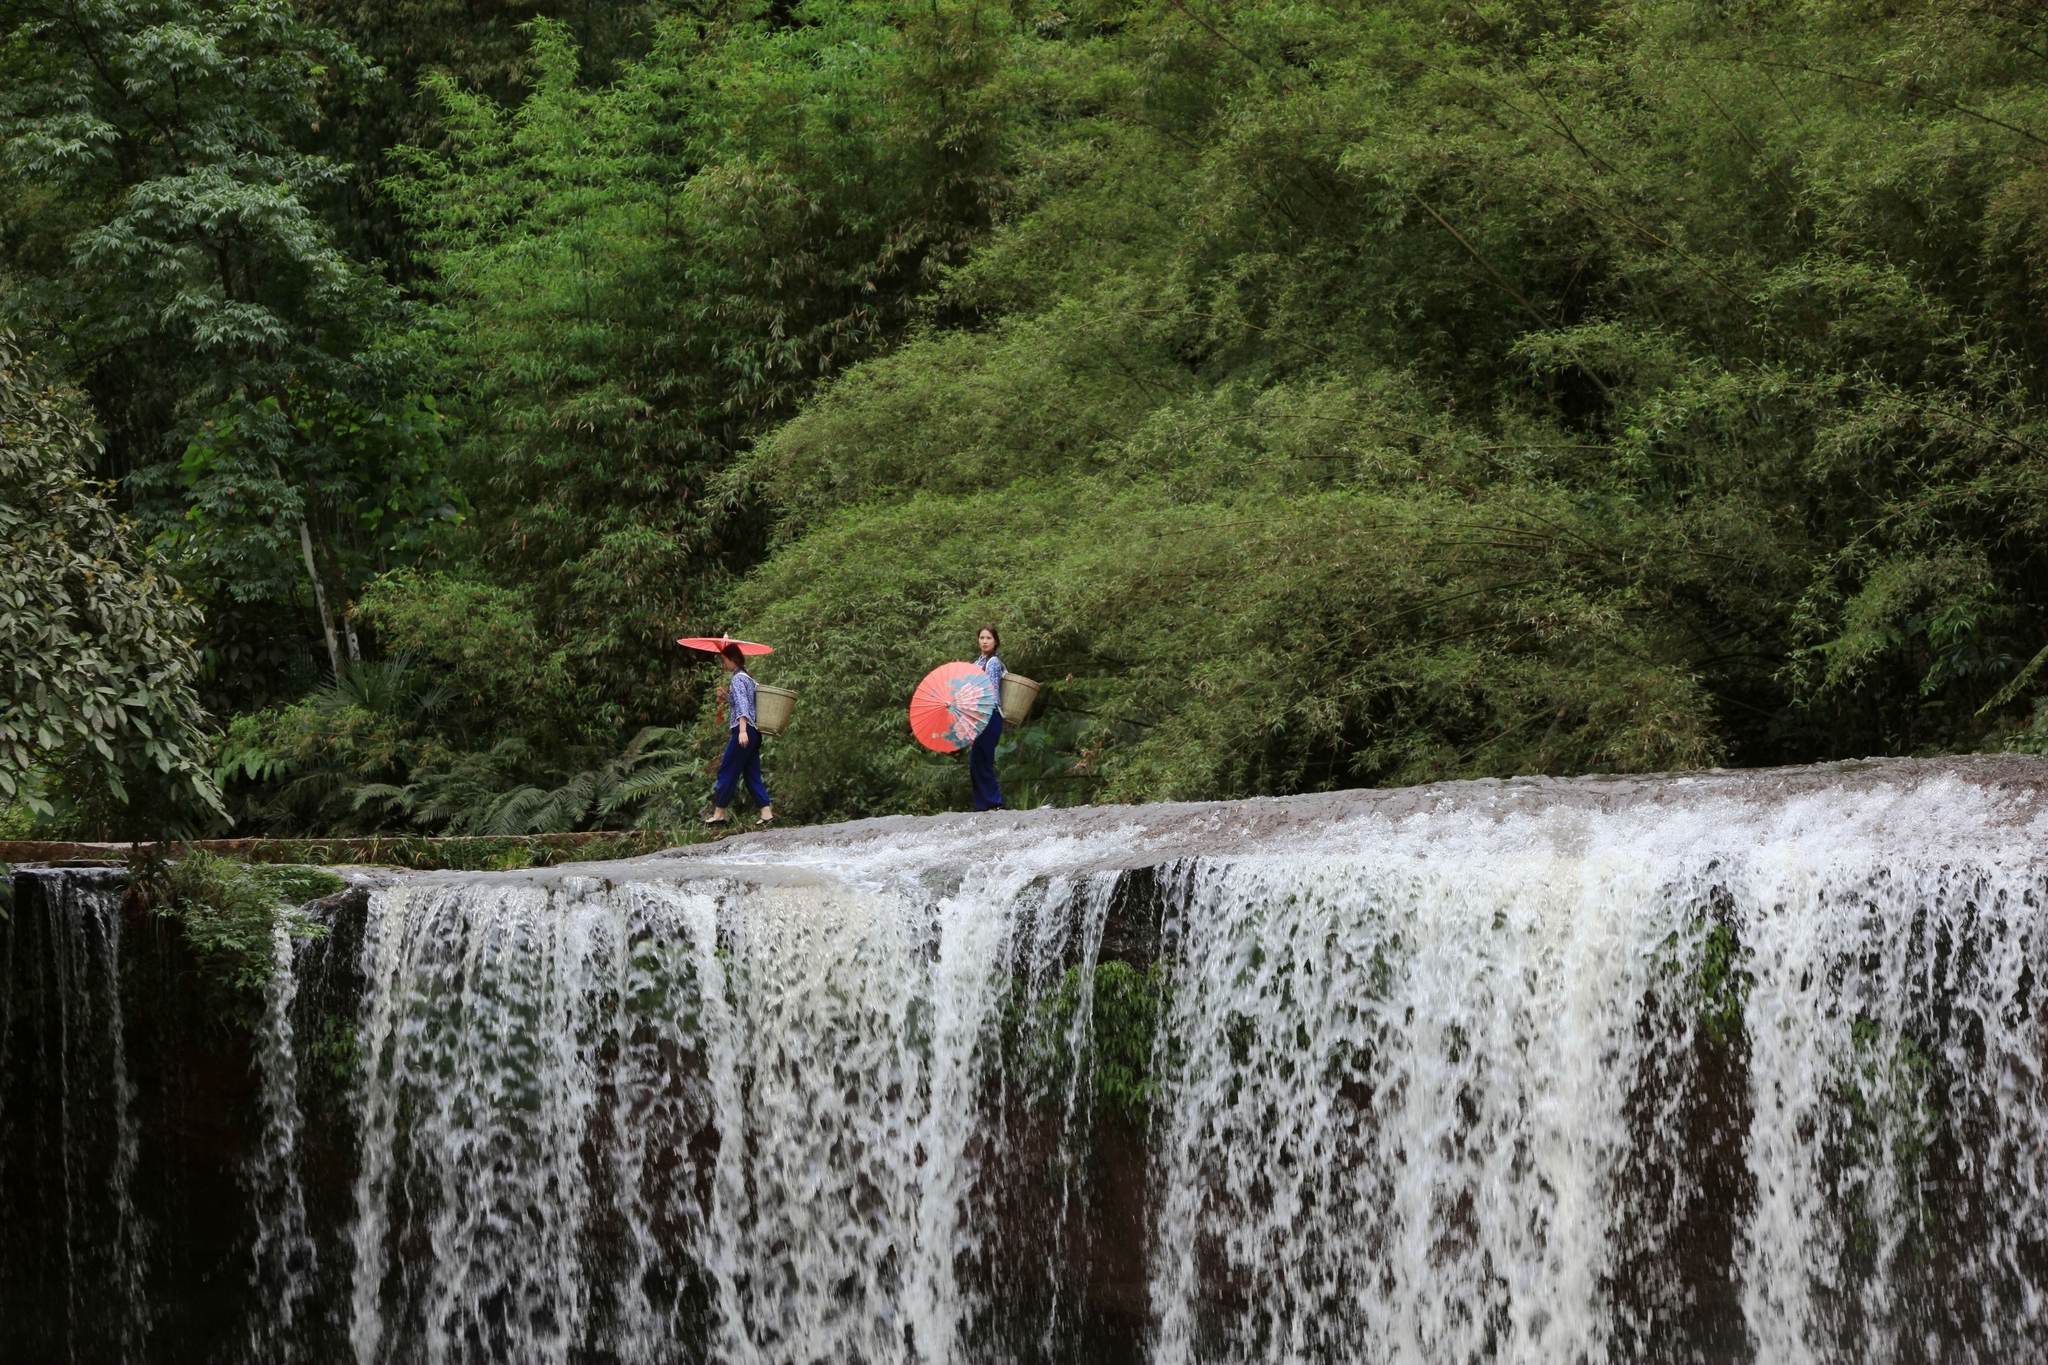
715, 644
951, 707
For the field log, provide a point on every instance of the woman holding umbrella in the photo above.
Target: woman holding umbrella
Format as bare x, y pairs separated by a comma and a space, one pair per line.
959, 706
981, 759
742, 757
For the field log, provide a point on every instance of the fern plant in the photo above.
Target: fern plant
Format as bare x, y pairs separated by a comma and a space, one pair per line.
662, 780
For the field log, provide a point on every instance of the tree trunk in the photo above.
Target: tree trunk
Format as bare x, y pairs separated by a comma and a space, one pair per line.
320, 598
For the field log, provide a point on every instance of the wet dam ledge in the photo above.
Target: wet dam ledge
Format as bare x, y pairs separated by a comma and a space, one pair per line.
1124, 838
2007, 795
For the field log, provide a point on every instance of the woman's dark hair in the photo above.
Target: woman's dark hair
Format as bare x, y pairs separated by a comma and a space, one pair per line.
733, 652
994, 632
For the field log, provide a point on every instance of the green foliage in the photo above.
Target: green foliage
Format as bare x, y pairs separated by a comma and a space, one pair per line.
1127, 1006
635, 280
479, 47
453, 799
228, 911
1316, 395
303, 764
297, 885
1345, 636
368, 481
1705, 971
159, 137
1380, 398
97, 668
2033, 737
161, 210
336, 1056
363, 752
494, 668
1887, 1099
662, 778
373, 749
423, 853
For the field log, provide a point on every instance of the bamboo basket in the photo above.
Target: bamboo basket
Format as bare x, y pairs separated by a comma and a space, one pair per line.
772, 706
1020, 694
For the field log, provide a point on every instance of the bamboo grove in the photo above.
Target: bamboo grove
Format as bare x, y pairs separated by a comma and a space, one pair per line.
1318, 394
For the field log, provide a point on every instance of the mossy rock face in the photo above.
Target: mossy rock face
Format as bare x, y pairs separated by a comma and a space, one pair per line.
1127, 1005
471, 853
1706, 968
1722, 983
1130, 1003
336, 1054
297, 884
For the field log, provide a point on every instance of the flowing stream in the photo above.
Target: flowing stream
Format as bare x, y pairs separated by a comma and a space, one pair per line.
1718, 1068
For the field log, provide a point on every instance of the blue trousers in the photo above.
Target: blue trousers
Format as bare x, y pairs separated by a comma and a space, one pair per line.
738, 763
981, 765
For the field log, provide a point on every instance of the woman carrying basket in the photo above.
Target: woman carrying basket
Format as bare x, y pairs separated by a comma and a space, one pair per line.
742, 746
981, 759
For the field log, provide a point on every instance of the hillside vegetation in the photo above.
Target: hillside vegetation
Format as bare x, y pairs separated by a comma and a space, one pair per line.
1316, 395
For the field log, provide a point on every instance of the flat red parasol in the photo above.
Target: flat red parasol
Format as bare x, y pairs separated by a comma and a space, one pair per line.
716, 644
951, 707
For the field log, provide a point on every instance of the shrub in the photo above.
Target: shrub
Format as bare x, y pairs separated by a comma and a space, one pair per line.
228, 912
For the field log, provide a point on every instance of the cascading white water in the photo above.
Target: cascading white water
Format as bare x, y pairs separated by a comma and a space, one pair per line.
83, 1126
1742, 1068
1422, 1075
284, 1258
1442, 1082
1401, 1101
705, 1121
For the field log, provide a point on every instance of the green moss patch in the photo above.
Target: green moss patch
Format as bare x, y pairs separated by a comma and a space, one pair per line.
228, 911
1126, 1010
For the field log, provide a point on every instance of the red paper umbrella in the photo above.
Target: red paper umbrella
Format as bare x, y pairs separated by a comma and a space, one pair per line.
716, 645
951, 707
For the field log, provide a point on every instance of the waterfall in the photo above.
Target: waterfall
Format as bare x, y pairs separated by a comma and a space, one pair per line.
69, 1134
1437, 1089
625, 1119
1729, 1067
284, 1259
